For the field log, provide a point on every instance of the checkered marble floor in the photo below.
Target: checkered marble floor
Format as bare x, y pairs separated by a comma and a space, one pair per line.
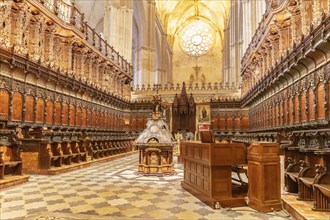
111, 190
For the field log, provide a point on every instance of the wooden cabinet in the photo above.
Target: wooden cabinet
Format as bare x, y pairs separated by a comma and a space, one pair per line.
207, 171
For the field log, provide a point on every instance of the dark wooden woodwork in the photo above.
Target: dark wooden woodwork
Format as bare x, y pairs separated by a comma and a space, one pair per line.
207, 171
17, 106
4, 107
29, 109
183, 112
307, 166
10, 157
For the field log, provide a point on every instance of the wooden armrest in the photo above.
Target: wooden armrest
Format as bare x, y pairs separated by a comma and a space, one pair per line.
324, 188
12, 163
292, 174
307, 180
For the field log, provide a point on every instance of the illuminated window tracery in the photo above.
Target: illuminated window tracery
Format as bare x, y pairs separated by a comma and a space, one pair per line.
197, 39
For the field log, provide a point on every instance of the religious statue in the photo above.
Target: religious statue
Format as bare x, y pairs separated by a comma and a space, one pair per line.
204, 113
203, 79
192, 79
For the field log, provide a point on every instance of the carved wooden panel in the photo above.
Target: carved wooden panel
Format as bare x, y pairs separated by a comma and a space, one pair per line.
215, 124
116, 121
29, 108
65, 113
222, 122
280, 113
285, 110
291, 110
303, 108
140, 123
7, 153
89, 117
245, 123
40, 110
103, 121
78, 115
50, 111
229, 123
328, 100
145, 120
320, 101
133, 123
111, 120
83, 117
98, 119
17, 106
108, 120
72, 114
311, 112
4, 107
93, 118
237, 123
58, 112
277, 123
296, 109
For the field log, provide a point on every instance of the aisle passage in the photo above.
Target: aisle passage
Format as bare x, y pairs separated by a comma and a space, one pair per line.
111, 190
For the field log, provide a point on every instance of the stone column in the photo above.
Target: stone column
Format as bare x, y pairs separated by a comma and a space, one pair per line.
118, 21
34, 39
305, 16
317, 12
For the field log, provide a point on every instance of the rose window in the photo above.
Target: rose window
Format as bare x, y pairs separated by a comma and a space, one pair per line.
197, 39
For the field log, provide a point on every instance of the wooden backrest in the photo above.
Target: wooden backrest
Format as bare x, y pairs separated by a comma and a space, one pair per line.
7, 153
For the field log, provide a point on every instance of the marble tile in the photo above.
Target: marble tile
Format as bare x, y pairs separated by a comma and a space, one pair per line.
111, 190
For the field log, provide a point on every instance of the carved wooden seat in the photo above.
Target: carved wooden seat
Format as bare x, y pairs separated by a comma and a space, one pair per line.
110, 147
292, 174
10, 161
89, 147
307, 177
56, 154
75, 152
321, 187
107, 147
115, 146
10, 157
103, 148
124, 146
121, 147
97, 153
67, 153
82, 150
305, 186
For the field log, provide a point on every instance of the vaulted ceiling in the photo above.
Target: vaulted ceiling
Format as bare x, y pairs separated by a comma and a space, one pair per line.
176, 14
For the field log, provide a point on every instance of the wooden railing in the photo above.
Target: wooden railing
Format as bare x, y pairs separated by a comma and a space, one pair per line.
70, 15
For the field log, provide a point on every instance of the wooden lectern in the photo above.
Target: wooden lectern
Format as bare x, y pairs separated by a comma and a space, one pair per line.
208, 168
207, 171
264, 192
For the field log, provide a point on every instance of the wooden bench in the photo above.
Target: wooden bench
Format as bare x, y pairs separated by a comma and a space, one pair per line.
310, 176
